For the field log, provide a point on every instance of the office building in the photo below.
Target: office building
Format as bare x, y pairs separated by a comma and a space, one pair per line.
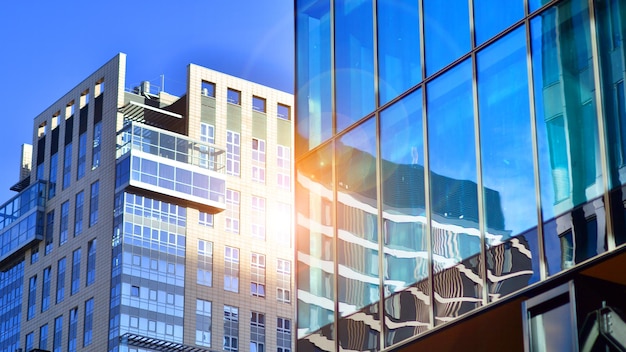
460, 172
148, 222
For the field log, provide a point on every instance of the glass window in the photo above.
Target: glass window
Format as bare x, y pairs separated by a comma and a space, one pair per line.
454, 201
30, 341
60, 280
43, 337
58, 334
258, 160
446, 33
492, 18
404, 217
95, 153
203, 323
354, 61
208, 89
257, 275
233, 153
258, 104
231, 269
93, 203
283, 112
88, 325
54, 160
45, 290
507, 160
283, 165
567, 130
232, 211
205, 263
205, 219
313, 85
78, 213
72, 335
82, 155
257, 332
67, 166
399, 66
32, 298
49, 232
231, 328
91, 262
64, 226
75, 271
258, 217
233, 96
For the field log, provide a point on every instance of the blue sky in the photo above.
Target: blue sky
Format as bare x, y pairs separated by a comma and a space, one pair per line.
50, 46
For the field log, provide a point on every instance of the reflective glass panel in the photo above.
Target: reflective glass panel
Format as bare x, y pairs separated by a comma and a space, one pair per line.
354, 60
446, 32
611, 26
313, 89
315, 250
507, 165
357, 228
454, 204
492, 17
405, 236
567, 130
399, 66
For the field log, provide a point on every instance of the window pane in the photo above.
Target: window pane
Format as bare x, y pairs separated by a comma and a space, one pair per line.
492, 17
354, 60
446, 32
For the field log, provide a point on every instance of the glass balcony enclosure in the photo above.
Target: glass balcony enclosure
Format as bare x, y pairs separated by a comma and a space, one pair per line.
21, 220
171, 164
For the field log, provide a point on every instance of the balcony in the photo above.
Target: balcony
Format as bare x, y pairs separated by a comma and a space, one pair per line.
156, 160
21, 220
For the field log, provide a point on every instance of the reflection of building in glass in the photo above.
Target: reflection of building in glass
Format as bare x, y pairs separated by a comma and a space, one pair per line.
142, 224
453, 162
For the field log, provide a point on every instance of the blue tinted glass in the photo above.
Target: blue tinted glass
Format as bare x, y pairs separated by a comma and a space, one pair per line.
491, 17
507, 162
354, 60
313, 90
535, 4
446, 32
567, 130
315, 246
357, 223
404, 230
454, 202
399, 66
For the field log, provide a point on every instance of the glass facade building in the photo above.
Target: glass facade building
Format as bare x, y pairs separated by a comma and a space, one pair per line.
452, 159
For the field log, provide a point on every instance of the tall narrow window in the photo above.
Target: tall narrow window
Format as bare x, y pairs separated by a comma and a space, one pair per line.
75, 271
203, 323
205, 263
82, 156
52, 176
231, 328
95, 153
283, 335
283, 165
258, 160
45, 290
78, 213
231, 269
257, 275
93, 203
49, 232
43, 337
88, 325
91, 262
65, 213
32, 297
67, 165
207, 135
233, 153
257, 332
283, 280
258, 217
232, 211
58, 334
60, 280
30, 341
73, 331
